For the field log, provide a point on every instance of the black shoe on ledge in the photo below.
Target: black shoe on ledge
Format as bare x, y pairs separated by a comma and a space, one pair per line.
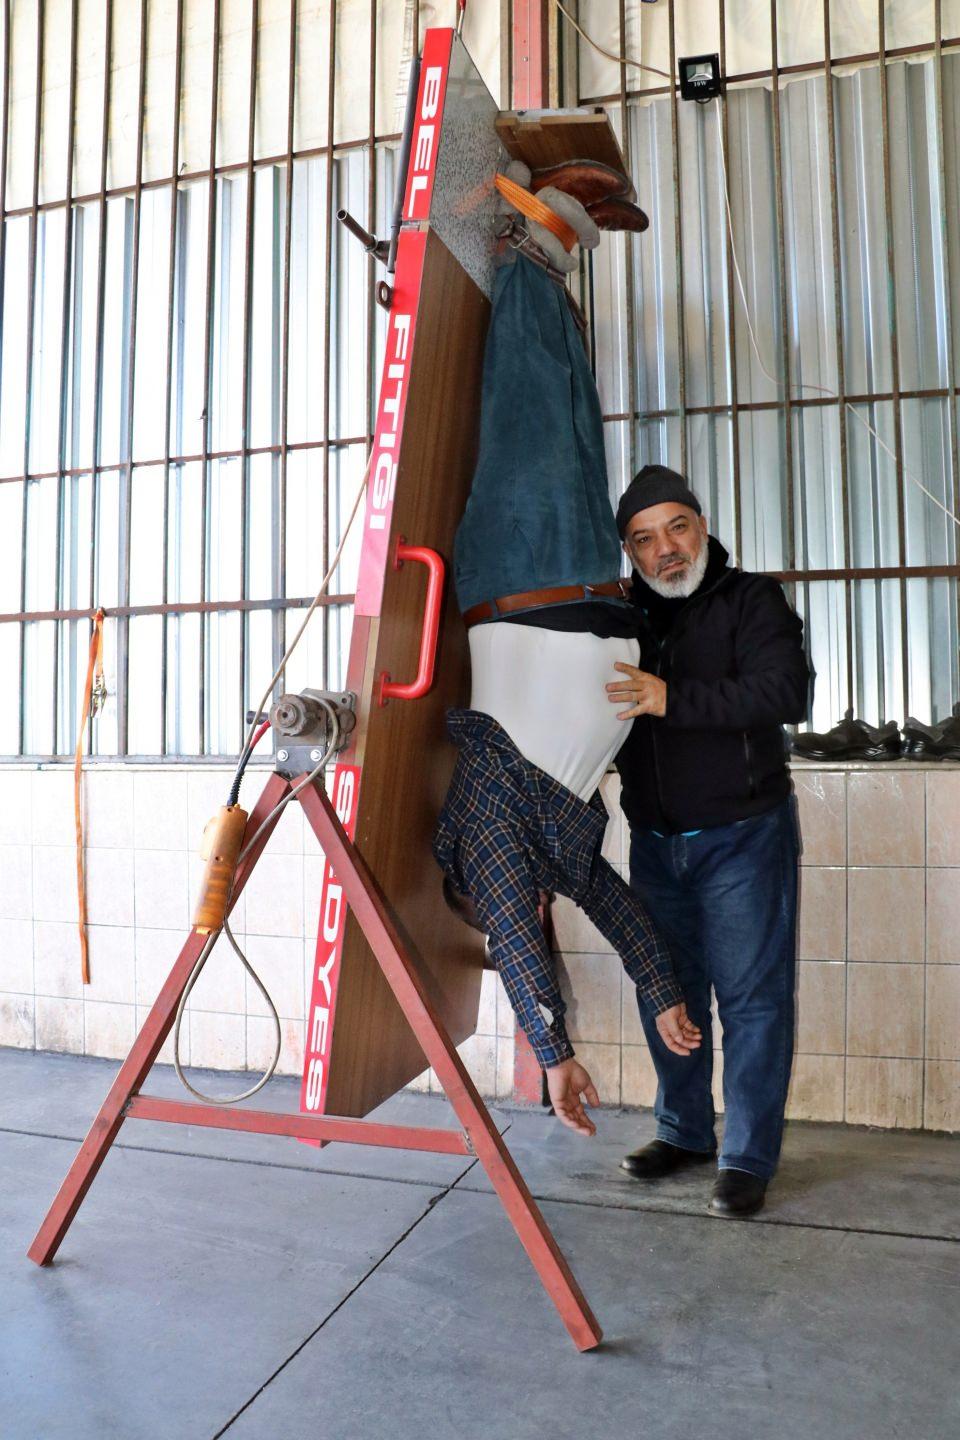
737, 1194
850, 740
939, 741
660, 1158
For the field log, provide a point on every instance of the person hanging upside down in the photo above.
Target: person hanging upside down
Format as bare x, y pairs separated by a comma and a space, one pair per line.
537, 562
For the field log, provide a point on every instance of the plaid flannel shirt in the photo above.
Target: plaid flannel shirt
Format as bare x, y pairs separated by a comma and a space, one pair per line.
507, 831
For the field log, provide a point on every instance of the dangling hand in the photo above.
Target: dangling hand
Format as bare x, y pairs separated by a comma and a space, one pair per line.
677, 1030
566, 1083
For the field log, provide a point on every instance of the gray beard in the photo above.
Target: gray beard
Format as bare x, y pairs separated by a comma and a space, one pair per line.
682, 586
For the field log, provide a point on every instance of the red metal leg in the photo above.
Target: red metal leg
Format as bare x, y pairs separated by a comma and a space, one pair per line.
136, 1067
363, 896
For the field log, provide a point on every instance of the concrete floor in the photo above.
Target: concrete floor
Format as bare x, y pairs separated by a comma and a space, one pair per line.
252, 1287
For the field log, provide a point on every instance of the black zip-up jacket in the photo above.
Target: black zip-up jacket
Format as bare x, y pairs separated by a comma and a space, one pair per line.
732, 658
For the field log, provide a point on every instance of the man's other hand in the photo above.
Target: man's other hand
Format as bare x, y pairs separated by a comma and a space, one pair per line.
677, 1030
644, 693
566, 1083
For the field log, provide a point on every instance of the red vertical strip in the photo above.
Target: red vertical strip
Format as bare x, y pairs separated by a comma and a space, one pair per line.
391, 411
530, 75
434, 68
326, 970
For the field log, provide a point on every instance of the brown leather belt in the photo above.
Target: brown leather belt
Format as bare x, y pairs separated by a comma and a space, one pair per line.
527, 599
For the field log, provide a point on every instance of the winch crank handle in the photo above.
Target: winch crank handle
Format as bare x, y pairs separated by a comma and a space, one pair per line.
429, 635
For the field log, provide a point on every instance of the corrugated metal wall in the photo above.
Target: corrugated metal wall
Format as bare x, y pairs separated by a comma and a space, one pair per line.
851, 286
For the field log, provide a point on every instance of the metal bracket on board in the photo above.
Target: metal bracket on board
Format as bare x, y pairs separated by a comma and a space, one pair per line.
303, 724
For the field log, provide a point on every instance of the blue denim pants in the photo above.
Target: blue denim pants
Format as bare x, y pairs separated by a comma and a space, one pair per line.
725, 900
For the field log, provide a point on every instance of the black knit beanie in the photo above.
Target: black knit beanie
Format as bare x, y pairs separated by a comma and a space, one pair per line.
653, 485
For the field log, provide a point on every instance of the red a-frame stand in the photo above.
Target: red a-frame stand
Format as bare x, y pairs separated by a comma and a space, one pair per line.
479, 1136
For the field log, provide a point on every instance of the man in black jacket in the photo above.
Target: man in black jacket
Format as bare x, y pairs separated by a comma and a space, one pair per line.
714, 844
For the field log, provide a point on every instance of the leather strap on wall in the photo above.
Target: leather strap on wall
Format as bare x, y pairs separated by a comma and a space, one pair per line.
94, 692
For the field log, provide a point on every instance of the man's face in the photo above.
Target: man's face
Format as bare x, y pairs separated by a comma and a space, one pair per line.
667, 544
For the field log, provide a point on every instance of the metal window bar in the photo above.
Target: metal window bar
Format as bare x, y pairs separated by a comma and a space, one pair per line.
871, 397
842, 413
65, 316
629, 254
327, 313
894, 352
678, 239
283, 451
952, 418
96, 437
4, 145
371, 219
28, 366
168, 391
208, 368
126, 470
731, 302
787, 398
186, 458
232, 167
247, 341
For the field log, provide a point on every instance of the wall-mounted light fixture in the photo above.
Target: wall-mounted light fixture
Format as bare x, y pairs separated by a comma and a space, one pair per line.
700, 77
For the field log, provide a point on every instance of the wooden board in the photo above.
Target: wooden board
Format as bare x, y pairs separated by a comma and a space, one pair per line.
404, 758
391, 780
542, 140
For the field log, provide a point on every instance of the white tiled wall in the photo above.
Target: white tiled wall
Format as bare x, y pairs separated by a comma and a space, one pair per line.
143, 829
879, 945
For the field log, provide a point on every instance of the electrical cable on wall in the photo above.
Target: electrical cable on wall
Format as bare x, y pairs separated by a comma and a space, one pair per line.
207, 949
324, 586
258, 727
624, 60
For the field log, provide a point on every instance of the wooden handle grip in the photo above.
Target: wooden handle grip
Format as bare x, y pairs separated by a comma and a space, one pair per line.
221, 845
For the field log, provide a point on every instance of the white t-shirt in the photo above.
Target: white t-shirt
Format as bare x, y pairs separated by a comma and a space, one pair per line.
546, 688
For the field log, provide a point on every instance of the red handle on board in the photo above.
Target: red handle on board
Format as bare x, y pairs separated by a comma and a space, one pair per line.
436, 572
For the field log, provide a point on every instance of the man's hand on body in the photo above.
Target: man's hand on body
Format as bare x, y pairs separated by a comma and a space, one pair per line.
646, 694
569, 1084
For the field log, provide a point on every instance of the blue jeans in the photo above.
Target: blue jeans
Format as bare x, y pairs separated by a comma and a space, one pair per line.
725, 901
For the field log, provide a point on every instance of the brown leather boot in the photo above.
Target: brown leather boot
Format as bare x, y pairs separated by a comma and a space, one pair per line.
617, 214
587, 180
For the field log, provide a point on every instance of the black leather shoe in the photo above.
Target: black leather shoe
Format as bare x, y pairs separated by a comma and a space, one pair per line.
850, 740
737, 1193
660, 1158
918, 739
940, 741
